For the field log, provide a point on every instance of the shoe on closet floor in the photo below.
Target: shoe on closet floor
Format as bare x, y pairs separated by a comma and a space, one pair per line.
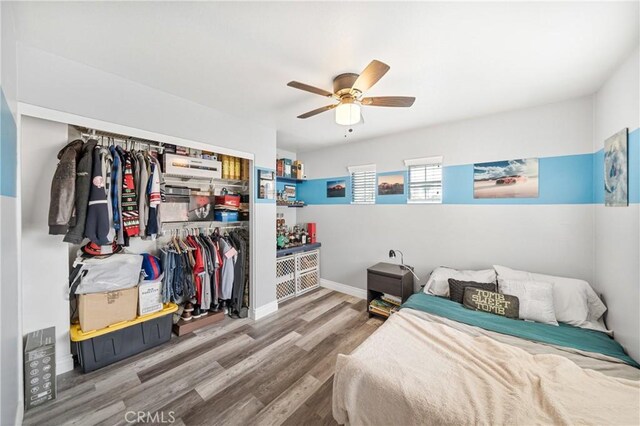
188, 307
186, 316
197, 313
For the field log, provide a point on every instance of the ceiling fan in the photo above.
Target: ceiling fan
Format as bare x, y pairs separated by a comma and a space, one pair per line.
348, 89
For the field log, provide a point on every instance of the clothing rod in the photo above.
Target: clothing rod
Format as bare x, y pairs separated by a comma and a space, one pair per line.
199, 225
118, 140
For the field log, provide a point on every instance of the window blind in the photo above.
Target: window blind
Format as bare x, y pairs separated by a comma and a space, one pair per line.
425, 180
363, 184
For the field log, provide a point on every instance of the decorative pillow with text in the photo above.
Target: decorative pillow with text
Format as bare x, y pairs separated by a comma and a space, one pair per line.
492, 302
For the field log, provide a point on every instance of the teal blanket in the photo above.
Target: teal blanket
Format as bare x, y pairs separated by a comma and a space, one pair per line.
562, 335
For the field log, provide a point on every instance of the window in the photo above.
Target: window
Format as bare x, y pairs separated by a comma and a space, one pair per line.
363, 184
425, 180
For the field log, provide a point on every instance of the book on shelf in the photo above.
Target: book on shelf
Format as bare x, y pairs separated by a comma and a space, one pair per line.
393, 300
379, 311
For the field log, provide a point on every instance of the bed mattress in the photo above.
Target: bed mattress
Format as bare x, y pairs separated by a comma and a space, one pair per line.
424, 368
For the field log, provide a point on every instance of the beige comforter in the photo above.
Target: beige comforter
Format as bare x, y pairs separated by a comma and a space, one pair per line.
422, 369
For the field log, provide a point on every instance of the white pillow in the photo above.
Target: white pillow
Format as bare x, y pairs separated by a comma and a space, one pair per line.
598, 326
438, 283
536, 299
575, 301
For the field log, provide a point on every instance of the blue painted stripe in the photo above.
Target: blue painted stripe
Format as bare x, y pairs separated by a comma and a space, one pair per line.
598, 176
314, 191
562, 180
8, 150
568, 179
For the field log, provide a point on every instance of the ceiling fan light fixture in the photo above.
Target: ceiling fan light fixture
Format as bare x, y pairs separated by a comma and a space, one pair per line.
348, 114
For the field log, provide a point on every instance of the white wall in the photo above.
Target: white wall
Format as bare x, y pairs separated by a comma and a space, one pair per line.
555, 239
10, 338
290, 215
617, 229
78, 89
45, 258
550, 130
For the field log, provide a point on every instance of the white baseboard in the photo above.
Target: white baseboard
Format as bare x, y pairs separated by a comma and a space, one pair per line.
19, 413
343, 288
64, 364
263, 311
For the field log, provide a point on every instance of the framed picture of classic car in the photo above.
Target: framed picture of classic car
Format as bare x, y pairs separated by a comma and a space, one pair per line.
506, 179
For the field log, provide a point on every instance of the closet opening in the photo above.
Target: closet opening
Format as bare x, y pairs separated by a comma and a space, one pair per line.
158, 234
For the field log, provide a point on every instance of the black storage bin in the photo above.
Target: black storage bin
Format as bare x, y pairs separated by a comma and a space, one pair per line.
98, 349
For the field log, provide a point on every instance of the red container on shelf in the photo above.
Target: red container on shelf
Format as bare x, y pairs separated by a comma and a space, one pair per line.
227, 200
311, 229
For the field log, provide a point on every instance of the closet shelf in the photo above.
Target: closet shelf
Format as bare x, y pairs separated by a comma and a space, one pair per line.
289, 180
213, 182
201, 224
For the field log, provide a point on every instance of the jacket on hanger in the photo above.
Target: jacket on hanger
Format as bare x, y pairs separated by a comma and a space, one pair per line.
228, 268
142, 179
98, 225
154, 223
238, 274
63, 190
130, 214
75, 234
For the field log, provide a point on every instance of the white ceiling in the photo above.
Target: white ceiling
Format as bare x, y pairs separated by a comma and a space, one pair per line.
459, 59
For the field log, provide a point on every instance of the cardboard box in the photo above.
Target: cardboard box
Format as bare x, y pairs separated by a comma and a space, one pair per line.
149, 297
39, 367
100, 310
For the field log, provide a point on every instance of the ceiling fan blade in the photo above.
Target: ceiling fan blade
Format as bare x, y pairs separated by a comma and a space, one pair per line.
317, 111
389, 101
370, 76
307, 88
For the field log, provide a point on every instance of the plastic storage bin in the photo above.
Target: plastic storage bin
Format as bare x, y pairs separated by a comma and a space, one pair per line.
222, 216
99, 348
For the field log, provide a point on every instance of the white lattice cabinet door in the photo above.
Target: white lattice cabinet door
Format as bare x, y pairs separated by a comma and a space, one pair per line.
308, 261
297, 274
307, 271
285, 278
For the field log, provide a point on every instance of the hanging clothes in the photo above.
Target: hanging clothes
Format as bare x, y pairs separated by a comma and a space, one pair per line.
63, 190
130, 215
155, 198
142, 180
98, 225
134, 189
75, 234
228, 268
116, 190
239, 271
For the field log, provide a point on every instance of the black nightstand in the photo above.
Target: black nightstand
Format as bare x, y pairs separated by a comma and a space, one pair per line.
388, 278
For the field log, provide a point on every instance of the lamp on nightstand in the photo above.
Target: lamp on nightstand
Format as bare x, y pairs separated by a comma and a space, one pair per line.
392, 253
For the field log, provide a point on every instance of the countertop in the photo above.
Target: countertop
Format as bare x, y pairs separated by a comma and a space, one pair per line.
299, 249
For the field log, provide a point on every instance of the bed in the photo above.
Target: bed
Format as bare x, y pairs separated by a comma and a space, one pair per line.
436, 362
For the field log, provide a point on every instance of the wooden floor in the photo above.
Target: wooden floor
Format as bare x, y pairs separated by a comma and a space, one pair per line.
278, 370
